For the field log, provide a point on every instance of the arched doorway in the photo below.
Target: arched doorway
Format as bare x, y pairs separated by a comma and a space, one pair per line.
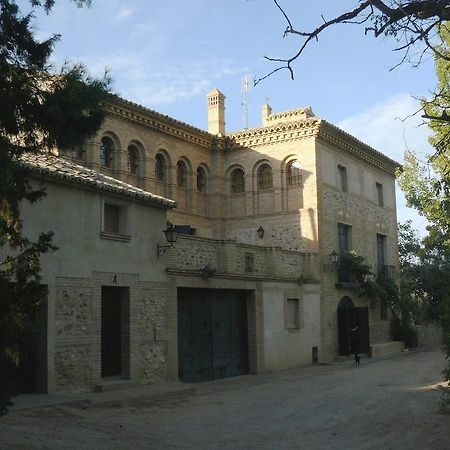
353, 327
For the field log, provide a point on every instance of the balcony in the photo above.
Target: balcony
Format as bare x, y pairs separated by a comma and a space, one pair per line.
209, 257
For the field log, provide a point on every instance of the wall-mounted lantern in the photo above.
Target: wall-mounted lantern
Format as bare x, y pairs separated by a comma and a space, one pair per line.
333, 258
260, 232
171, 237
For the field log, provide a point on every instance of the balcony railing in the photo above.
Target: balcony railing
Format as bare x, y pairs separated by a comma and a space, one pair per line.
194, 254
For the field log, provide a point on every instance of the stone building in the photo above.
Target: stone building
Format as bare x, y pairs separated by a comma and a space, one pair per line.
250, 285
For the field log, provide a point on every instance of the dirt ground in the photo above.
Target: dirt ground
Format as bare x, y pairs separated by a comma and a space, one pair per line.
382, 404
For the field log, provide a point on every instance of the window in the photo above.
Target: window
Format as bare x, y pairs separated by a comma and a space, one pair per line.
133, 159
201, 179
382, 252
249, 262
343, 186
380, 198
265, 180
111, 222
294, 174
344, 238
293, 314
237, 181
181, 174
106, 151
160, 167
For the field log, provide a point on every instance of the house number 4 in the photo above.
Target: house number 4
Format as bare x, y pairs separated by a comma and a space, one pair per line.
115, 279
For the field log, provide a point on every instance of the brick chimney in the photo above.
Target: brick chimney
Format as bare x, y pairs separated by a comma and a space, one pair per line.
216, 112
266, 112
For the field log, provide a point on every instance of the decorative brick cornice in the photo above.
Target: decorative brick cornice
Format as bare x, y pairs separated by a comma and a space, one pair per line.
345, 141
162, 123
289, 116
274, 134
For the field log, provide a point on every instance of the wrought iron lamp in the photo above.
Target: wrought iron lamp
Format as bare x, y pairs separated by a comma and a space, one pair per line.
171, 237
332, 260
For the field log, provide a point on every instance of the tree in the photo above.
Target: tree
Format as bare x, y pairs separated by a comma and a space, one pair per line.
41, 110
408, 22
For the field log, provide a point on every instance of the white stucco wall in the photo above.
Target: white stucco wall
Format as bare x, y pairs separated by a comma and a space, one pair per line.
289, 348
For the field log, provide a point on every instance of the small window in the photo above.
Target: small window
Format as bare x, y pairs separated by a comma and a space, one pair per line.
133, 159
237, 181
160, 167
343, 186
380, 198
106, 151
294, 174
249, 262
382, 252
111, 218
293, 313
181, 174
265, 179
201, 179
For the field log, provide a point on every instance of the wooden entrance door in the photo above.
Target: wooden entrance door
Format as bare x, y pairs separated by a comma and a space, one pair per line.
111, 334
212, 334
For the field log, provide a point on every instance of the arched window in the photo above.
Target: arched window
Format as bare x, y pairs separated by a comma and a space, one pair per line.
294, 173
106, 151
181, 174
237, 181
265, 180
201, 179
160, 167
133, 159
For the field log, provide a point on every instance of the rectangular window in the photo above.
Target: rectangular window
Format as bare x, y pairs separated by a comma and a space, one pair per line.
293, 314
249, 262
111, 222
344, 237
343, 186
382, 252
380, 198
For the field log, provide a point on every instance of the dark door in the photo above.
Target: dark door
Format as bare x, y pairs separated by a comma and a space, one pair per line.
353, 328
362, 317
212, 334
111, 331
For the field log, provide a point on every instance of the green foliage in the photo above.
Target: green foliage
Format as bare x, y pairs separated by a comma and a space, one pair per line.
352, 267
40, 110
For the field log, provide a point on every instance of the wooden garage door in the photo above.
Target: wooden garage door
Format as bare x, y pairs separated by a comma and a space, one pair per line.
212, 334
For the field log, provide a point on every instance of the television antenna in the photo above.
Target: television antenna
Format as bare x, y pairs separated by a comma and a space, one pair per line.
246, 85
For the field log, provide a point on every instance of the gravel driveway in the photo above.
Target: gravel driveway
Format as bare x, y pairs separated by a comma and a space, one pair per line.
382, 404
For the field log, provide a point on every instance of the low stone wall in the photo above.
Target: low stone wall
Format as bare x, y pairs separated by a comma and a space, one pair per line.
386, 348
429, 335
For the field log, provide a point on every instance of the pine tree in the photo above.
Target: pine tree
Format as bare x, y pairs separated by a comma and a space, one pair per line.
40, 110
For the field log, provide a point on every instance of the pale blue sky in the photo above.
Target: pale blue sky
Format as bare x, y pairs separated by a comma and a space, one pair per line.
169, 55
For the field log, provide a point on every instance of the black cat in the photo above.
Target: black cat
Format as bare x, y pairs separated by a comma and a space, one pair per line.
357, 359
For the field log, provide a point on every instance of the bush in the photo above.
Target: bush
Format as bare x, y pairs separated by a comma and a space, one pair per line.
405, 333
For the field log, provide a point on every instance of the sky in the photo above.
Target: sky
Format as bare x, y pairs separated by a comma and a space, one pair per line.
168, 55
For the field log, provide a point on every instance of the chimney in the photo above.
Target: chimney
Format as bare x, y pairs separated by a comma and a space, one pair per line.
266, 112
216, 112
